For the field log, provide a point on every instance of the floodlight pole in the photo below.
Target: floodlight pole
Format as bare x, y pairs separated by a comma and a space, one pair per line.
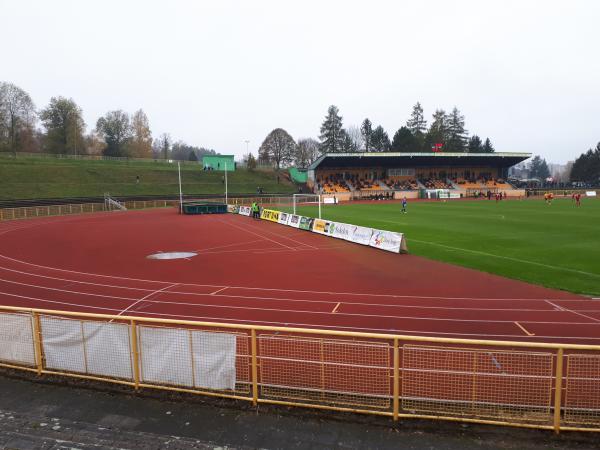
180, 192
319, 206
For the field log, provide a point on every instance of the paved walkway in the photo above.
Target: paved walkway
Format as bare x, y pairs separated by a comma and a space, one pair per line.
66, 414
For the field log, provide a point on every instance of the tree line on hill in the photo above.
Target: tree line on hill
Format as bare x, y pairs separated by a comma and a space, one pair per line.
63, 131
446, 133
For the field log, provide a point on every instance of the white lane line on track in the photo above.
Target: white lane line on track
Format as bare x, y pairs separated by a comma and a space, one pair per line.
556, 307
524, 329
249, 297
228, 245
254, 288
296, 311
576, 312
219, 290
548, 266
145, 298
334, 327
282, 236
256, 234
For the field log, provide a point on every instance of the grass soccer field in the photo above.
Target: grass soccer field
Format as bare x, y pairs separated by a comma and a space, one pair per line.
556, 245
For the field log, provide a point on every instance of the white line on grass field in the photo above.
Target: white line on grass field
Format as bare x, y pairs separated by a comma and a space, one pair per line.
508, 258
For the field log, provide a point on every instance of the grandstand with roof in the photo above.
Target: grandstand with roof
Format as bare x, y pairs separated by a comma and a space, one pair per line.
350, 176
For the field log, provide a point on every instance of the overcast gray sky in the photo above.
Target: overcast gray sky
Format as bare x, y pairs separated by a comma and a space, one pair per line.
215, 73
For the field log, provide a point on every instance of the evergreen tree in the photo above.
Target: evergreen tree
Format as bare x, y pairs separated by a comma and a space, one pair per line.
380, 140
417, 123
488, 147
586, 168
348, 144
332, 135
475, 145
438, 131
405, 141
457, 135
367, 132
538, 168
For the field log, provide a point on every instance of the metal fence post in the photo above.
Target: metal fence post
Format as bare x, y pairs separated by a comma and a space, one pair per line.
136, 354
558, 389
396, 391
37, 340
254, 368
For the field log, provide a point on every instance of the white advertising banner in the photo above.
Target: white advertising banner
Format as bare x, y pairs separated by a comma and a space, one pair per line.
284, 218
341, 230
388, 240
590, 193
360, 235
294, 221
245, 210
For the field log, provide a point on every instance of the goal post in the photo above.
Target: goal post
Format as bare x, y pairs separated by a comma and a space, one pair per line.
306, 200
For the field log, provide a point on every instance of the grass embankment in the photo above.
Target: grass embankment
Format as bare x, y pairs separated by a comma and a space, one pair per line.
557, 246
29, 178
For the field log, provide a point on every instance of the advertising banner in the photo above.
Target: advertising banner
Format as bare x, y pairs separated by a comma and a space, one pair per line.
284, 218
590, 193
294, 221
232, 209
306, 223
388, 240
341, 230
270, 214
360, 235
245, 210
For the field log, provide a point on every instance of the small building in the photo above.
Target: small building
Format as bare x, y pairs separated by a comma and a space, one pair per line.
219, 162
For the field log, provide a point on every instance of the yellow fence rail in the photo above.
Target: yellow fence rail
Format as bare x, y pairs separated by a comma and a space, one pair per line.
533, 385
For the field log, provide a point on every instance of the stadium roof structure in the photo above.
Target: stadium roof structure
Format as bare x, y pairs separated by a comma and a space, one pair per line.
390, 159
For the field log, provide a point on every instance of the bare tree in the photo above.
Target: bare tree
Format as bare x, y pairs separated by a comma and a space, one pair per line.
17, 113
164, 144
278, 148
306, 152
355, 134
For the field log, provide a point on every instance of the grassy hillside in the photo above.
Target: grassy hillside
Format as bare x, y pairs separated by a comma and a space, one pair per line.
50, 178
556, 246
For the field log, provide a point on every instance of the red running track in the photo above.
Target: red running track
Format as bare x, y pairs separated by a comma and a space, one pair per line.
259, 272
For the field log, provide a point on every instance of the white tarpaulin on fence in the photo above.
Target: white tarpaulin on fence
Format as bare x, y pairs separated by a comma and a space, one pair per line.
388, 240
63, 344
590, 193
214, 359
284, 218
16, 339
360, 235
294, 221
202, 360
95, 348
107, 348
245, 210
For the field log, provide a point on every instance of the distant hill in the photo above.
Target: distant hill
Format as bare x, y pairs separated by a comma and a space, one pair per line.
30, 177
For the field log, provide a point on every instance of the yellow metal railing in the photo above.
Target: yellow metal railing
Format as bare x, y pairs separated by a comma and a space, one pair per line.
533, 385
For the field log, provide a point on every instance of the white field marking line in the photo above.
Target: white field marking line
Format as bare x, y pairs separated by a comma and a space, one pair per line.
283, 236
524, 329
146, 297
250, 297
509, 258
576, 312
256, 234
556, 307
220, 290
114, 277
336, 308
386, 330
300, 311
228, 245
